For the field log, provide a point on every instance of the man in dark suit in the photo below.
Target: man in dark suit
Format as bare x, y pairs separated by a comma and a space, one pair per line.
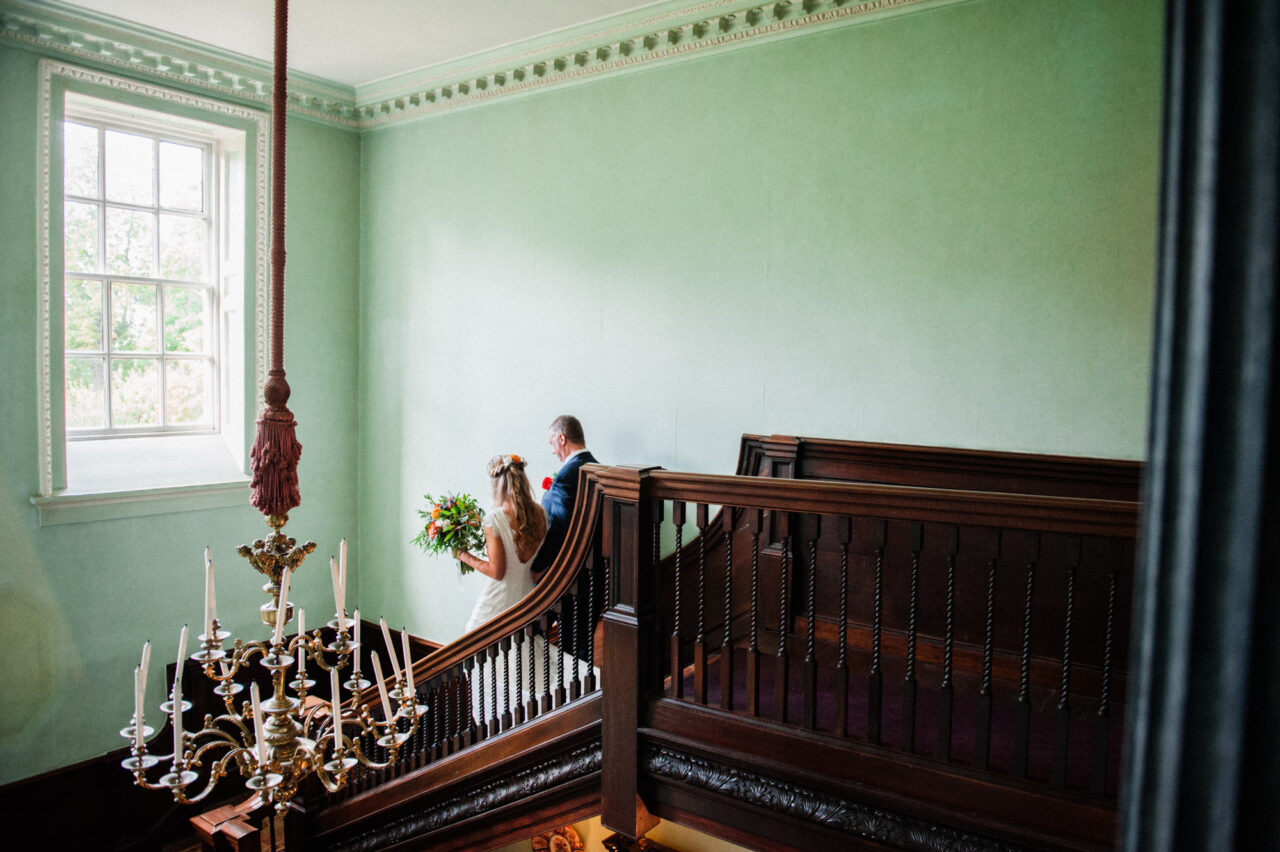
569, 446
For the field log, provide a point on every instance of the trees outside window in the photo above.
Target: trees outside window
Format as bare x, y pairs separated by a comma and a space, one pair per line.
140, 279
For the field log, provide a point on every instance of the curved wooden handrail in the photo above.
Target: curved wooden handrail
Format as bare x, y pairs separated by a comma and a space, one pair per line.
556, 581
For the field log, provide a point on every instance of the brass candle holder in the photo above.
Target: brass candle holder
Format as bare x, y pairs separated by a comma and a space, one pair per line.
289, 738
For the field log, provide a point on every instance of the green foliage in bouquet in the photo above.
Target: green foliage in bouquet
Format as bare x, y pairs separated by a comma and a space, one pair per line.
454, 522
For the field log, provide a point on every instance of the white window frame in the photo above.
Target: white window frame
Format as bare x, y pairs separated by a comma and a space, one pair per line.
173, 479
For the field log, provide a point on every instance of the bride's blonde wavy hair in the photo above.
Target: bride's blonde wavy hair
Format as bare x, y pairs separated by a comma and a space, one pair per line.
511, 485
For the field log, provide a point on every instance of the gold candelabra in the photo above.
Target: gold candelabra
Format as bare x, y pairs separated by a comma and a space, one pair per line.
275, 744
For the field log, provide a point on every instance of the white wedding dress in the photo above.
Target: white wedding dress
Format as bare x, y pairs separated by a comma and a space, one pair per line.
523, 666
498, 596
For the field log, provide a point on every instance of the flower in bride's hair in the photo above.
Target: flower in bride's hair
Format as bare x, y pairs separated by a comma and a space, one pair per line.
515, 459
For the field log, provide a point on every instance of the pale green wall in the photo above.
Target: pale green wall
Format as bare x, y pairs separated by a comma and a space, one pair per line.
76, 601
935, 228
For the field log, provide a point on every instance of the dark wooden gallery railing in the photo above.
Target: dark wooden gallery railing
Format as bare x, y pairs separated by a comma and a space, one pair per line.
906, 648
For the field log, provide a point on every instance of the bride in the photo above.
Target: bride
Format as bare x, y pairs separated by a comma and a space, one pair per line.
513, 529
513, 532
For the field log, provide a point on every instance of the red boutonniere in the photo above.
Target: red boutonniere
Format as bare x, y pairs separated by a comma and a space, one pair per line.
547, 482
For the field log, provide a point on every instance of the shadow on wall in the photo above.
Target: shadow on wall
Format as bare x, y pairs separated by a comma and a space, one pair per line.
37, 655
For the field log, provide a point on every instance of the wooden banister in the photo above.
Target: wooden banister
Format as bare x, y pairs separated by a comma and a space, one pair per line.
1073, 515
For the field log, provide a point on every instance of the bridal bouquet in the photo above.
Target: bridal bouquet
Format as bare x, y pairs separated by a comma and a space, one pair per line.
454, 522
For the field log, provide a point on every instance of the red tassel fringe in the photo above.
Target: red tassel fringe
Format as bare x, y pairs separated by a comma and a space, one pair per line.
274, 461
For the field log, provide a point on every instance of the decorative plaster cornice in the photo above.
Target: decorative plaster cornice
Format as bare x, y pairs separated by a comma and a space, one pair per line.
896, 830
60, 30
716, 25
651, 36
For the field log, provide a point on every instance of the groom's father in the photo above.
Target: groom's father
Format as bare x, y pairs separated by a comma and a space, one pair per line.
569, 445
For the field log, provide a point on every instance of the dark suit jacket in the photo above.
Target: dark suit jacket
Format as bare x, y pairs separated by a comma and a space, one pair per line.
558, 501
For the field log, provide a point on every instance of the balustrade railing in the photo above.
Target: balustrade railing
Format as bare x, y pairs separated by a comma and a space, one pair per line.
977, 629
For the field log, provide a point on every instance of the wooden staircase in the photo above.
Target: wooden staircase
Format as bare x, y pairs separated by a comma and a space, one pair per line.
845, 645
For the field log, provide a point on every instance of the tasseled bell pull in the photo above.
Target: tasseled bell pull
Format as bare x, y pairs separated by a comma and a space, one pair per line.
275, 454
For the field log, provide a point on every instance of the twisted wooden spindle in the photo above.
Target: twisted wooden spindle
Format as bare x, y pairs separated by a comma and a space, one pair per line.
753, 646
1102, 721
982, 719
726, 644
677, 666
810, 709
946, 694
915, 532
782, 665
1061, 734
875, 676
1022, 724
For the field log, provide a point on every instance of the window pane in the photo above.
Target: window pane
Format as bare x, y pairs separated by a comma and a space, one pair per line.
130, 168
181, 177
86, 397
131, 242
80, 159
135, 392
186, 393
82, 319
133, 318
80, 240
187, 316
182, 248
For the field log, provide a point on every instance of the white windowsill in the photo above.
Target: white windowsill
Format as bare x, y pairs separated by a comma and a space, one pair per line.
134, 477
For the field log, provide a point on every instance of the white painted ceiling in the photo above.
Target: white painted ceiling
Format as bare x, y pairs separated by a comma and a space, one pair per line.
361, 41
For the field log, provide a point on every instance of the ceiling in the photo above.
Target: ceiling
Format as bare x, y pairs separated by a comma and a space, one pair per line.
356, 42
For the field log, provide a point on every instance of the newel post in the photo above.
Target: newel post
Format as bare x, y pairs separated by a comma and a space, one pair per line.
631, 643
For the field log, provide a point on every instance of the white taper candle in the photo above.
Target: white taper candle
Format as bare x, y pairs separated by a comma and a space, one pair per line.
335, 701
356, 670
146, 663
259, 730
213, 597
177, 695
342, 575
182, 654
337, 590
282, 607
138, 686
210, 599
208, 588
391, 648
408, 660
302, 642
177, 721
382, 688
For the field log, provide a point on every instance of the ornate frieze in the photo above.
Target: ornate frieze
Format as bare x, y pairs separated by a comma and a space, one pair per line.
897, 830
540, 777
